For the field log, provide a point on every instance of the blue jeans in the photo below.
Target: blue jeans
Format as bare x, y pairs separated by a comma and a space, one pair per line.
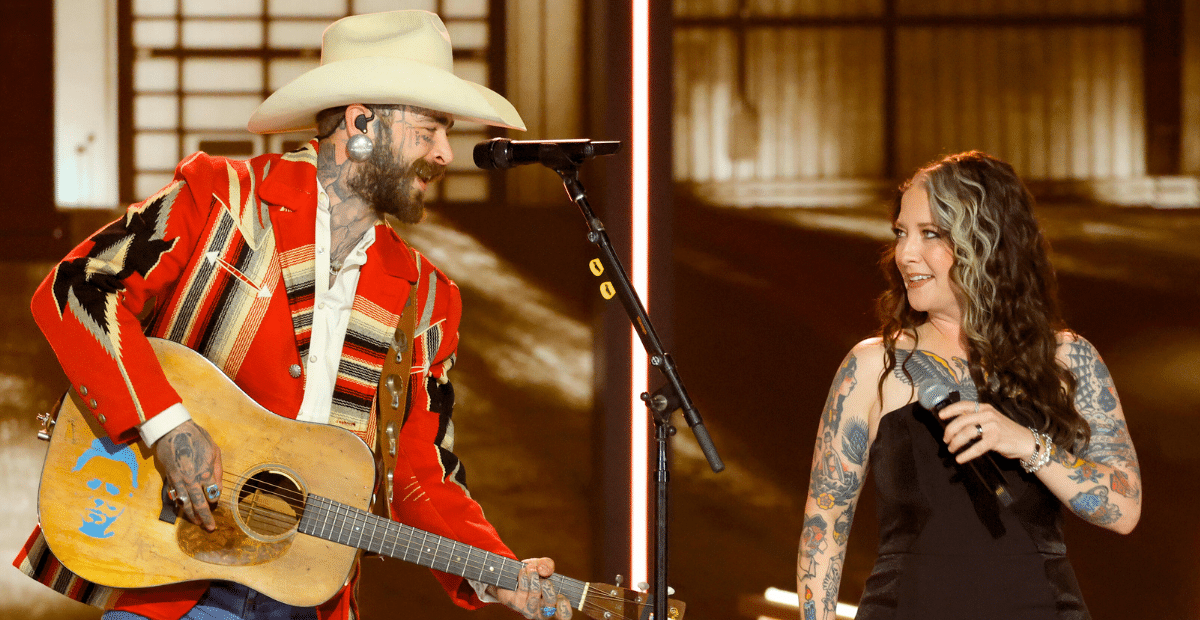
230, 601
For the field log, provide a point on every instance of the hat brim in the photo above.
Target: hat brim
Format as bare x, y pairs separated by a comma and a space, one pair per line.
380, 80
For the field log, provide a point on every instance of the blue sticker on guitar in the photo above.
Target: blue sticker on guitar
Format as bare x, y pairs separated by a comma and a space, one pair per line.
108, 469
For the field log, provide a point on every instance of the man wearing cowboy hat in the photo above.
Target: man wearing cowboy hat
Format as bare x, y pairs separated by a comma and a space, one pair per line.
282, 271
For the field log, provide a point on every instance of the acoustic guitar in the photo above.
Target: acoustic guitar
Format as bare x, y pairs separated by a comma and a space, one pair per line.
293, 516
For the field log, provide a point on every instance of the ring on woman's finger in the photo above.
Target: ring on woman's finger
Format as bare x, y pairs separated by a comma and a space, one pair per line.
213, 492
172, 495
979, 431
548, 612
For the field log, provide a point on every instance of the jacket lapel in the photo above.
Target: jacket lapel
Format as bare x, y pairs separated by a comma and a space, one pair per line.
290, 190
383, 286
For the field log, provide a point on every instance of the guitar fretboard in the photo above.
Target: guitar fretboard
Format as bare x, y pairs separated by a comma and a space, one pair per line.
346, 525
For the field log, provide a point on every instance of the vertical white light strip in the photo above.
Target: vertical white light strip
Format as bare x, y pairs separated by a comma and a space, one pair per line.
640, 274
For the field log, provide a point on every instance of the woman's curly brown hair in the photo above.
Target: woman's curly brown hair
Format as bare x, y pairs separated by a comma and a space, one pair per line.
1011, 316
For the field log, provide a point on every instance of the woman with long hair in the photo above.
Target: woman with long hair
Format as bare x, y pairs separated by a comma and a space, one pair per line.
971, 309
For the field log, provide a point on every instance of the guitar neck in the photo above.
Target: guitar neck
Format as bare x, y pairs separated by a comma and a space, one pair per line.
346, 525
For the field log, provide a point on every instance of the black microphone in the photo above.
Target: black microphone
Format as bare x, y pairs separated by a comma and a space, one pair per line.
502, 153
935, 397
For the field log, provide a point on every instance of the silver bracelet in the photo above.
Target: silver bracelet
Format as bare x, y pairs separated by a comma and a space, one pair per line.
1042, 445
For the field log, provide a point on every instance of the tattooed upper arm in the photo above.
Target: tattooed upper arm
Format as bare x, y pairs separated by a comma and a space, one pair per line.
843, 438
1094, 389
1096, 400
839, 469
843, 384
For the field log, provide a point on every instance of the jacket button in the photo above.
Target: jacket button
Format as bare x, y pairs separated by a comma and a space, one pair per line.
294, 371
101, 418
83, 390
93, 403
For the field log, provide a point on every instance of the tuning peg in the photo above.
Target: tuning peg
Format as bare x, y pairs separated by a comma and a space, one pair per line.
47, 426
645, 587
618, 580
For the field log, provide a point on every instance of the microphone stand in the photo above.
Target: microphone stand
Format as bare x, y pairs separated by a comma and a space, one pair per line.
666, 399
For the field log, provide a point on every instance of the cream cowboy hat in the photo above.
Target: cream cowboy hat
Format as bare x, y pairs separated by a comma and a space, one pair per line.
399, 57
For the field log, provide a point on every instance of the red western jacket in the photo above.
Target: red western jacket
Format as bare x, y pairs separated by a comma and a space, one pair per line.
221, 260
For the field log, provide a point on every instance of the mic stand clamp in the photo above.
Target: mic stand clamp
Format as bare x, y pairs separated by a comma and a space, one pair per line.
665, 400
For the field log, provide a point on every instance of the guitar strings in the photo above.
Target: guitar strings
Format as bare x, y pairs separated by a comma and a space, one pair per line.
395, 536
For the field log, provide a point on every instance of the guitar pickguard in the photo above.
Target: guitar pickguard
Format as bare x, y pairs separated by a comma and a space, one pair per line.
228, 545
269, 500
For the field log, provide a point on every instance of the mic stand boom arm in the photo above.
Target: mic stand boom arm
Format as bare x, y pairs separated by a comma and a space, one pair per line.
666, 399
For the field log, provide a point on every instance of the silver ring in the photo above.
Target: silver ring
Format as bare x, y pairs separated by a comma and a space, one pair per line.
213, 492
182, 499
172, 495
979, 431
548, 612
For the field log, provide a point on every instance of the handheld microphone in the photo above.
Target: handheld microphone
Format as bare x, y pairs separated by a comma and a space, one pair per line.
502, 153
935, 397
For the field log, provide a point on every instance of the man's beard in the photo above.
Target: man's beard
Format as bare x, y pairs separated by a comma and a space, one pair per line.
388, 186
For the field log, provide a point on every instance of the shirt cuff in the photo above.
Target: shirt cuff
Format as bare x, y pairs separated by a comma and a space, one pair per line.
481, 591
153, 429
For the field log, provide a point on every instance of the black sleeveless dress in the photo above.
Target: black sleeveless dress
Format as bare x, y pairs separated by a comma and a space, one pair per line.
947, 549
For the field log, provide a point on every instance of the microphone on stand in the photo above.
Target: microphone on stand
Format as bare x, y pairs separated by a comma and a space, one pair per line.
935, 397
502, 153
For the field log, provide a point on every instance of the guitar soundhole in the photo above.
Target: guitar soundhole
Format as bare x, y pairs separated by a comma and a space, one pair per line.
269, 504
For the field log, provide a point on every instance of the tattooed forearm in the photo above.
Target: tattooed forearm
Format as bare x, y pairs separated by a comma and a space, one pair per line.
1095, 507
812, 544
1083, 471
1120, 483
810, 606
833, 580
841, 526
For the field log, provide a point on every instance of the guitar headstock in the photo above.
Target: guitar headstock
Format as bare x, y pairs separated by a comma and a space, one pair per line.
605, 602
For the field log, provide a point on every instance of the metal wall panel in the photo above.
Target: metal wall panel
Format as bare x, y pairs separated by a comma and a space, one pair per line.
1058, 103
774, 92
812, 107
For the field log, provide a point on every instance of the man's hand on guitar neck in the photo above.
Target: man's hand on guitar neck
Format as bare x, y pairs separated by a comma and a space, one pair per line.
535, 596
191, 462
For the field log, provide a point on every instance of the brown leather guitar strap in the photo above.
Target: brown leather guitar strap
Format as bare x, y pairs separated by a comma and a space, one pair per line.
393, 392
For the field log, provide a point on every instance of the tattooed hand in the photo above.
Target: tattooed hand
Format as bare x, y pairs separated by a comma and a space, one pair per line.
535, 594
191, 461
